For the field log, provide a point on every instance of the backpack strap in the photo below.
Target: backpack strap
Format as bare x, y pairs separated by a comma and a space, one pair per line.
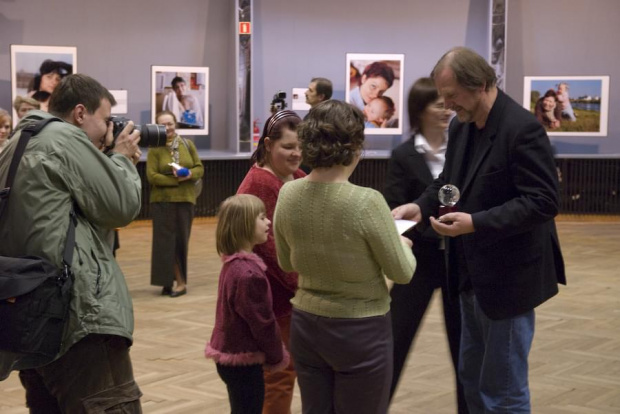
28, 132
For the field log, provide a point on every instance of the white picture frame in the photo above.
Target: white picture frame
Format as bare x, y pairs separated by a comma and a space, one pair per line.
191, 110
386, 74
588, 101
28, 62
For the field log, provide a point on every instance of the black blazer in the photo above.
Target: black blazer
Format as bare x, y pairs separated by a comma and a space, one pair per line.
511, 191
407, 177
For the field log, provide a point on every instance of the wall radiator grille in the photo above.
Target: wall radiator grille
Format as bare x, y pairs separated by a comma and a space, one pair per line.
588, 186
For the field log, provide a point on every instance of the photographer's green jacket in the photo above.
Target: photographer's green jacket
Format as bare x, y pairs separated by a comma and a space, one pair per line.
61, 166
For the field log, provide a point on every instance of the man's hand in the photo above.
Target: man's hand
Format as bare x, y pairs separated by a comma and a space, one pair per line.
126, 143
453, 224
409, 211
136, 157
108, 139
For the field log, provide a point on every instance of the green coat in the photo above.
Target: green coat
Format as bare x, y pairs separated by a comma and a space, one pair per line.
61, 166
165, 187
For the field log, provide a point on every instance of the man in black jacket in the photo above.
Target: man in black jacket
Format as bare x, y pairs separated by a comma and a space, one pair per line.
503, 252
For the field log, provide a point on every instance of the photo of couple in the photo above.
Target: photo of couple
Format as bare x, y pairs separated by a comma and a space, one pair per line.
569, 105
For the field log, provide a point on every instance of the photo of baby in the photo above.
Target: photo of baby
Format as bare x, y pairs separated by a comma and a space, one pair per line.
374, 85
378, 112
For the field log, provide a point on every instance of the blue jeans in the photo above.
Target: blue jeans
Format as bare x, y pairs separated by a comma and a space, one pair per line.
493, 365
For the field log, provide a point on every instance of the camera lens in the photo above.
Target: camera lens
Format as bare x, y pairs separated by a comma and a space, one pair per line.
152, 135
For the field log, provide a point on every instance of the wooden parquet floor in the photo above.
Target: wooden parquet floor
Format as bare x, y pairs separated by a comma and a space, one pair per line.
574, 363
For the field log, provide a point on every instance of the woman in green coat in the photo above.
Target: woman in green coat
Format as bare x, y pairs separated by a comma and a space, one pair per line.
172, 205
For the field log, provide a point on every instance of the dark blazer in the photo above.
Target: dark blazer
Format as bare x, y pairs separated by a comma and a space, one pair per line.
511, 191
407, 177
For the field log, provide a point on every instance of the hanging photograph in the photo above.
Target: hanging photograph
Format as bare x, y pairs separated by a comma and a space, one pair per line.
299, 100
374, 84
184, 91
35, 72
569, 105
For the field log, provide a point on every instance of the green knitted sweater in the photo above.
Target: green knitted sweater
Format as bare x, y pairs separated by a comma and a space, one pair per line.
341, 239
165, 187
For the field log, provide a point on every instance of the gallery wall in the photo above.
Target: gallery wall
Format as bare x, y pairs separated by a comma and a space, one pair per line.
295, 40
567, 38
118, 41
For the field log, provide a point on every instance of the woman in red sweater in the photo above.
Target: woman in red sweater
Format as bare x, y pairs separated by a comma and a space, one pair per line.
276, 161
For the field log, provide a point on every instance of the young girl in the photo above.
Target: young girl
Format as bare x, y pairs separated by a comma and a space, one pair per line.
246, 336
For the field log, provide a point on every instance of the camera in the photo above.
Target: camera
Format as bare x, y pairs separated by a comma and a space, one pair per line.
151, 135
278, 103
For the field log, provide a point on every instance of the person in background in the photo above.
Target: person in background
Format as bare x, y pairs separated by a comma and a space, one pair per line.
23, 104
246, 337
172, 205
319, 90
342, 240
5, 128
413, 167
377, 78
275, 162
503, 253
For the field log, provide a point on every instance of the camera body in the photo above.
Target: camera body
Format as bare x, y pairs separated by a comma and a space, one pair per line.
151, 135
278, 103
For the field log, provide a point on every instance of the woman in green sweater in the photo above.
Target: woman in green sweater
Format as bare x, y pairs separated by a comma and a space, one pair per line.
172, 206
342, 240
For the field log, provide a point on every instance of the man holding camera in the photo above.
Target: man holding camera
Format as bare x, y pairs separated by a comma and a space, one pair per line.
64, 166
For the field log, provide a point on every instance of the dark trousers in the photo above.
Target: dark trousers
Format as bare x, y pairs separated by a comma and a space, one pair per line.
343, 365
409, 304
94, 376
172, 224
246, 387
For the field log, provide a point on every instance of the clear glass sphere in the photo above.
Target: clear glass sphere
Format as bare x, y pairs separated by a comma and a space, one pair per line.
449, 195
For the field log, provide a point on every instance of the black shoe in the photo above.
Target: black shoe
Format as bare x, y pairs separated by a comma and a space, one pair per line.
166, 290
177, 293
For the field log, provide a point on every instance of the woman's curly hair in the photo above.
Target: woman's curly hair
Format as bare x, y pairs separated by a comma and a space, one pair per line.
332, 134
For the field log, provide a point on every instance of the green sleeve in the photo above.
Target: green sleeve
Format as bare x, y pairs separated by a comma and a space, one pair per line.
392, 254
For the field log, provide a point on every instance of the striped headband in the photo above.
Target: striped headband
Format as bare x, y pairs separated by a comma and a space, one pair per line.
278, 116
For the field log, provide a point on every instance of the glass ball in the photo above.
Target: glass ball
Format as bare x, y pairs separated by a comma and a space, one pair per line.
449, 195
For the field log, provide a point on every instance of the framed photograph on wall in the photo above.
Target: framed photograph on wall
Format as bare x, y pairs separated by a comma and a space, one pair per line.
569, 105
184, 91
35, 72
374, 84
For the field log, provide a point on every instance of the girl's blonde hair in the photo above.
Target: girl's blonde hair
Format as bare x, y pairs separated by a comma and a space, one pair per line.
237, 223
